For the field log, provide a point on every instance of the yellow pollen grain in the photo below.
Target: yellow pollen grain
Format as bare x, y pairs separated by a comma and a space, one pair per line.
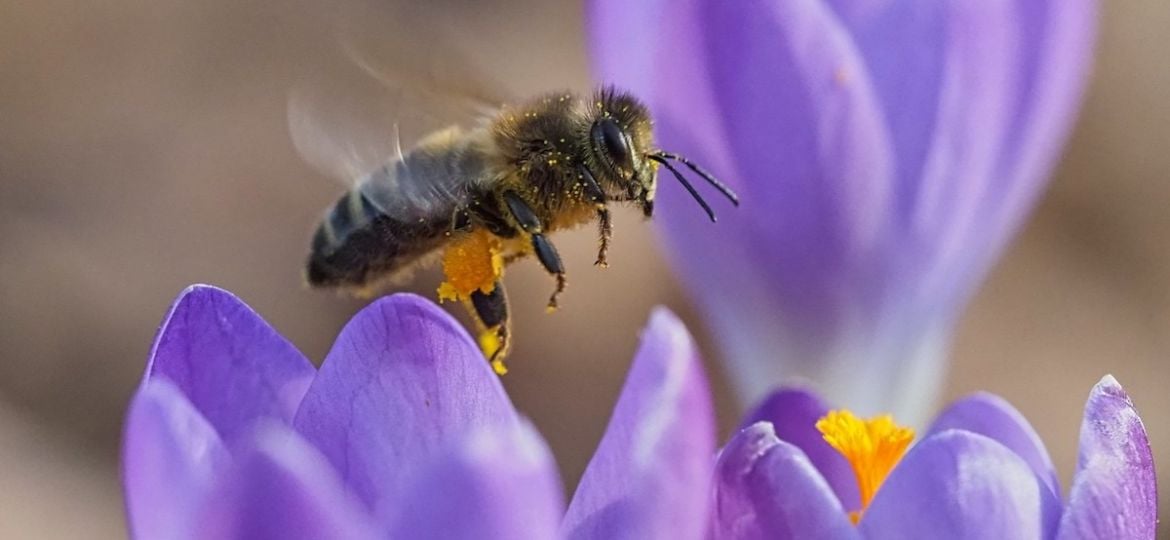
873, 447
473, 262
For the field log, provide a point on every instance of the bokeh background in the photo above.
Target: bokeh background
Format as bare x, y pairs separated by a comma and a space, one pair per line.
143, 147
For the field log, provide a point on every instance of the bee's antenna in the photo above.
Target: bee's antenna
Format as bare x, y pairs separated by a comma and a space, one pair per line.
687, 185
710, 178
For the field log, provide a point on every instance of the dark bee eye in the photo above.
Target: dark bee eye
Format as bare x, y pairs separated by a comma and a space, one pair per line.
607, 136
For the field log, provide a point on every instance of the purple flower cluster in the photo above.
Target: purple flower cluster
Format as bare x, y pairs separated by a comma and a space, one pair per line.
405, 432
884, 153
980, 471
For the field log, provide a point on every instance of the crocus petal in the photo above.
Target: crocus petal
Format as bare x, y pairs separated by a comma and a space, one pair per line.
229, 363
650, 475
958, 484
280, 487
793, 413
992, 416
1057, 53
402, 383
1114, 492
500, 483
893, 39
171, 456
942, 202
766, 488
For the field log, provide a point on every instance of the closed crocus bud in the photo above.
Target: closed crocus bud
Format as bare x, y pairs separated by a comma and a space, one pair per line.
884, 154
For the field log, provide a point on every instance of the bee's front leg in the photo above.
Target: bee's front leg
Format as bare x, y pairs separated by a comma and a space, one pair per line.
546, 253
594, 193
605, 226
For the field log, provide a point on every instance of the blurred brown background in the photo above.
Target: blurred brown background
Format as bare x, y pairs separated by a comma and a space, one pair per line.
143, 147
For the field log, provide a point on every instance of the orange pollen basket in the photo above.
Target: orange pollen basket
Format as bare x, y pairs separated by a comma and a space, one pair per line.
873, 447
470, 263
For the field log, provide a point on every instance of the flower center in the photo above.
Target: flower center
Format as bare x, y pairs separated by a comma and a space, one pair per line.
873, 447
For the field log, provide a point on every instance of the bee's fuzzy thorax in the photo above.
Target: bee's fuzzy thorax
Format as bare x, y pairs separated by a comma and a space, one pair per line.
538, 145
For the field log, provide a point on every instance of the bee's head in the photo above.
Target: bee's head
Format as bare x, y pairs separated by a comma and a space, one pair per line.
624, 160
619, 138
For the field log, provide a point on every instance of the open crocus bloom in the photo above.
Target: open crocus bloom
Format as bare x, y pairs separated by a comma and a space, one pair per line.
884, 153
404, 432
980, 471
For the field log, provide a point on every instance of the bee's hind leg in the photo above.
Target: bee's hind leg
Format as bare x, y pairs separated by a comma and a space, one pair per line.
545, 252
490, 311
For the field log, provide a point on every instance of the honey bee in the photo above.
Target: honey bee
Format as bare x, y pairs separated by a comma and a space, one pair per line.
485, 196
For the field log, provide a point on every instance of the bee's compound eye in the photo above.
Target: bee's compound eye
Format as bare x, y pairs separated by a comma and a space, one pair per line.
610, 139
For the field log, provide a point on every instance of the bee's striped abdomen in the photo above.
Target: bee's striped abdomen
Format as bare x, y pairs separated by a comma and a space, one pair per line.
398, 213
352, 211
356, 243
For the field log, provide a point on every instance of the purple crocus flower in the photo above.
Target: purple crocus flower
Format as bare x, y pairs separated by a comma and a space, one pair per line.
404, 432
980, 471
884, 152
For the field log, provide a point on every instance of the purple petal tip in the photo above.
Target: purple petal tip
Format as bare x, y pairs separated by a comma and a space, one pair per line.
793, 412
955, 482
663, 320
767, 488
231, 364
649, 476
992, 416
403, 381
1114, 492
170, 458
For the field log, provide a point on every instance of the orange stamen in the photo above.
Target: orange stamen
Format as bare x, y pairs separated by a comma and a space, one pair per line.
873, 447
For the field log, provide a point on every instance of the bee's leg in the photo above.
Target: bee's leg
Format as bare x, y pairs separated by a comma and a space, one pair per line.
490, 311
548, 257
605, 225
594, 193
545, 252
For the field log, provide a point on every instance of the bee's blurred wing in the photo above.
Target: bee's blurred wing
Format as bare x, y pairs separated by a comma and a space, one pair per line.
442, 46
400, 70
336, 136
403, 70
356, 129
